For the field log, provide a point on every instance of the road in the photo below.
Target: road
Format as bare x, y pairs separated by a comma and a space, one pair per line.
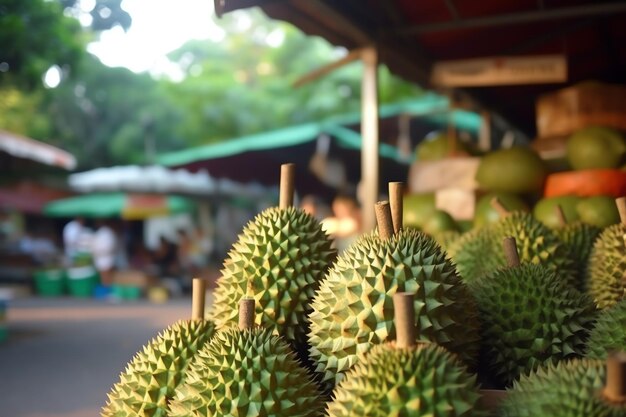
63, 355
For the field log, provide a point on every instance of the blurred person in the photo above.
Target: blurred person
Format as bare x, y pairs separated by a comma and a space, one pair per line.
73, 233
345, 224
314, 206
165, 257
104, 250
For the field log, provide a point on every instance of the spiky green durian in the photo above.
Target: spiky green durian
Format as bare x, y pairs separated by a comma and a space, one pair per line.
278, 260
353, 309
423, 381
246, 373
609, 332
578, 239
606, 274
148, 383
447, 238
480, 251
567, 389
529, 317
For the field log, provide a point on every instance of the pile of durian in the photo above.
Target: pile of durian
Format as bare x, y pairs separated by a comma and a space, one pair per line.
514, 319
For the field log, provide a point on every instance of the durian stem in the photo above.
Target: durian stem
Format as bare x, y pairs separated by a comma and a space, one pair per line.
510, 251
198, 292
404, 320
499, 207
383, 219
396, 191
287, 185
246, 314
560, 215
615, 388
621, 207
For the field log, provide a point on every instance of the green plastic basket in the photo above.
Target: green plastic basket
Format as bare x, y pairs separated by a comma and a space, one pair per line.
49, 282
82, 280
126, 292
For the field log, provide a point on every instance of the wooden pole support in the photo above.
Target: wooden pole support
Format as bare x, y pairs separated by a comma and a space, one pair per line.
560, 215
404, 319
383, 219
615, 388
396, 191
198, 293
621, 207
246, 314
287, 185
510, 251
499, 207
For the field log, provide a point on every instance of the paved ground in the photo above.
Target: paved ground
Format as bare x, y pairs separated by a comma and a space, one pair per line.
63, 355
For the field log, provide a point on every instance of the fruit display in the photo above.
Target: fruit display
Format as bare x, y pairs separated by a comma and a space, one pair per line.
352, 310
596, 147
247, 371
402, 379
514, 170
609, 332
147, 385
530, 317
278, 260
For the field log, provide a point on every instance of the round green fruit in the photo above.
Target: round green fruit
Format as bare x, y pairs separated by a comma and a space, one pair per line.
545, 210
417, 208
438, 147
439, 221
514, 170
486, 214
599, 211
596, 147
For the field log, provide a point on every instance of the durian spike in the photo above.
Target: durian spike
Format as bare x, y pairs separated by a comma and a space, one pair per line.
499, 207
621, 207
404, 320
287, 185
246, 313
198, 293
396, 191
383, 219
560, 215
615, 388
510, 251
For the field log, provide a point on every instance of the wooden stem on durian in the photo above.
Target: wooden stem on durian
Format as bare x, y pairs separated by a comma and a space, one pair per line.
198, 292
510, 251
396, 192
615, 388
383, 219
246, 313
287, 185
560, 215
499, 207
621, 207
404, 320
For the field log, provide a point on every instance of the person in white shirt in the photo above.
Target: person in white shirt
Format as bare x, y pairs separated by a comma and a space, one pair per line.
72, 233
103, 248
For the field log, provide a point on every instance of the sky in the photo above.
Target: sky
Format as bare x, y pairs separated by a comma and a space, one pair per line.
158, 27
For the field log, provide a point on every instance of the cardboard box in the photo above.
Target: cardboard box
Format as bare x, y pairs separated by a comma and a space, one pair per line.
431, 176
133, 278
458, 202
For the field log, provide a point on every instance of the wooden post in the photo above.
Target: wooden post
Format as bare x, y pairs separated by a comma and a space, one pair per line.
484, 139
560, 215
404, 320
396, 191
383, 219
621, 207
497, 204
198, 292
246, 313
287, 185
615, 388
369, 135
510, 251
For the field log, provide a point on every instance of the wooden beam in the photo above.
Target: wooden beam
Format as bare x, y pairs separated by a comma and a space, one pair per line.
352, 56
517, 18
369, 135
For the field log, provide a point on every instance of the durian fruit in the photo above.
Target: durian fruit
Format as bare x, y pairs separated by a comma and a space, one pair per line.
606, 273
278, 260
148, 383
609, 332
530, 317
478, 252
404, 379
567, 389
352, 310
447, 238
246, 372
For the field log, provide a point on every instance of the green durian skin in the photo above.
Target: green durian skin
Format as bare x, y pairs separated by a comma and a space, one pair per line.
529, 317
447, 238
606, 273
246, 373
426, 381
480, 251
578, 239
353, 309
609, 332
567, 389
278, 260
149, 381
